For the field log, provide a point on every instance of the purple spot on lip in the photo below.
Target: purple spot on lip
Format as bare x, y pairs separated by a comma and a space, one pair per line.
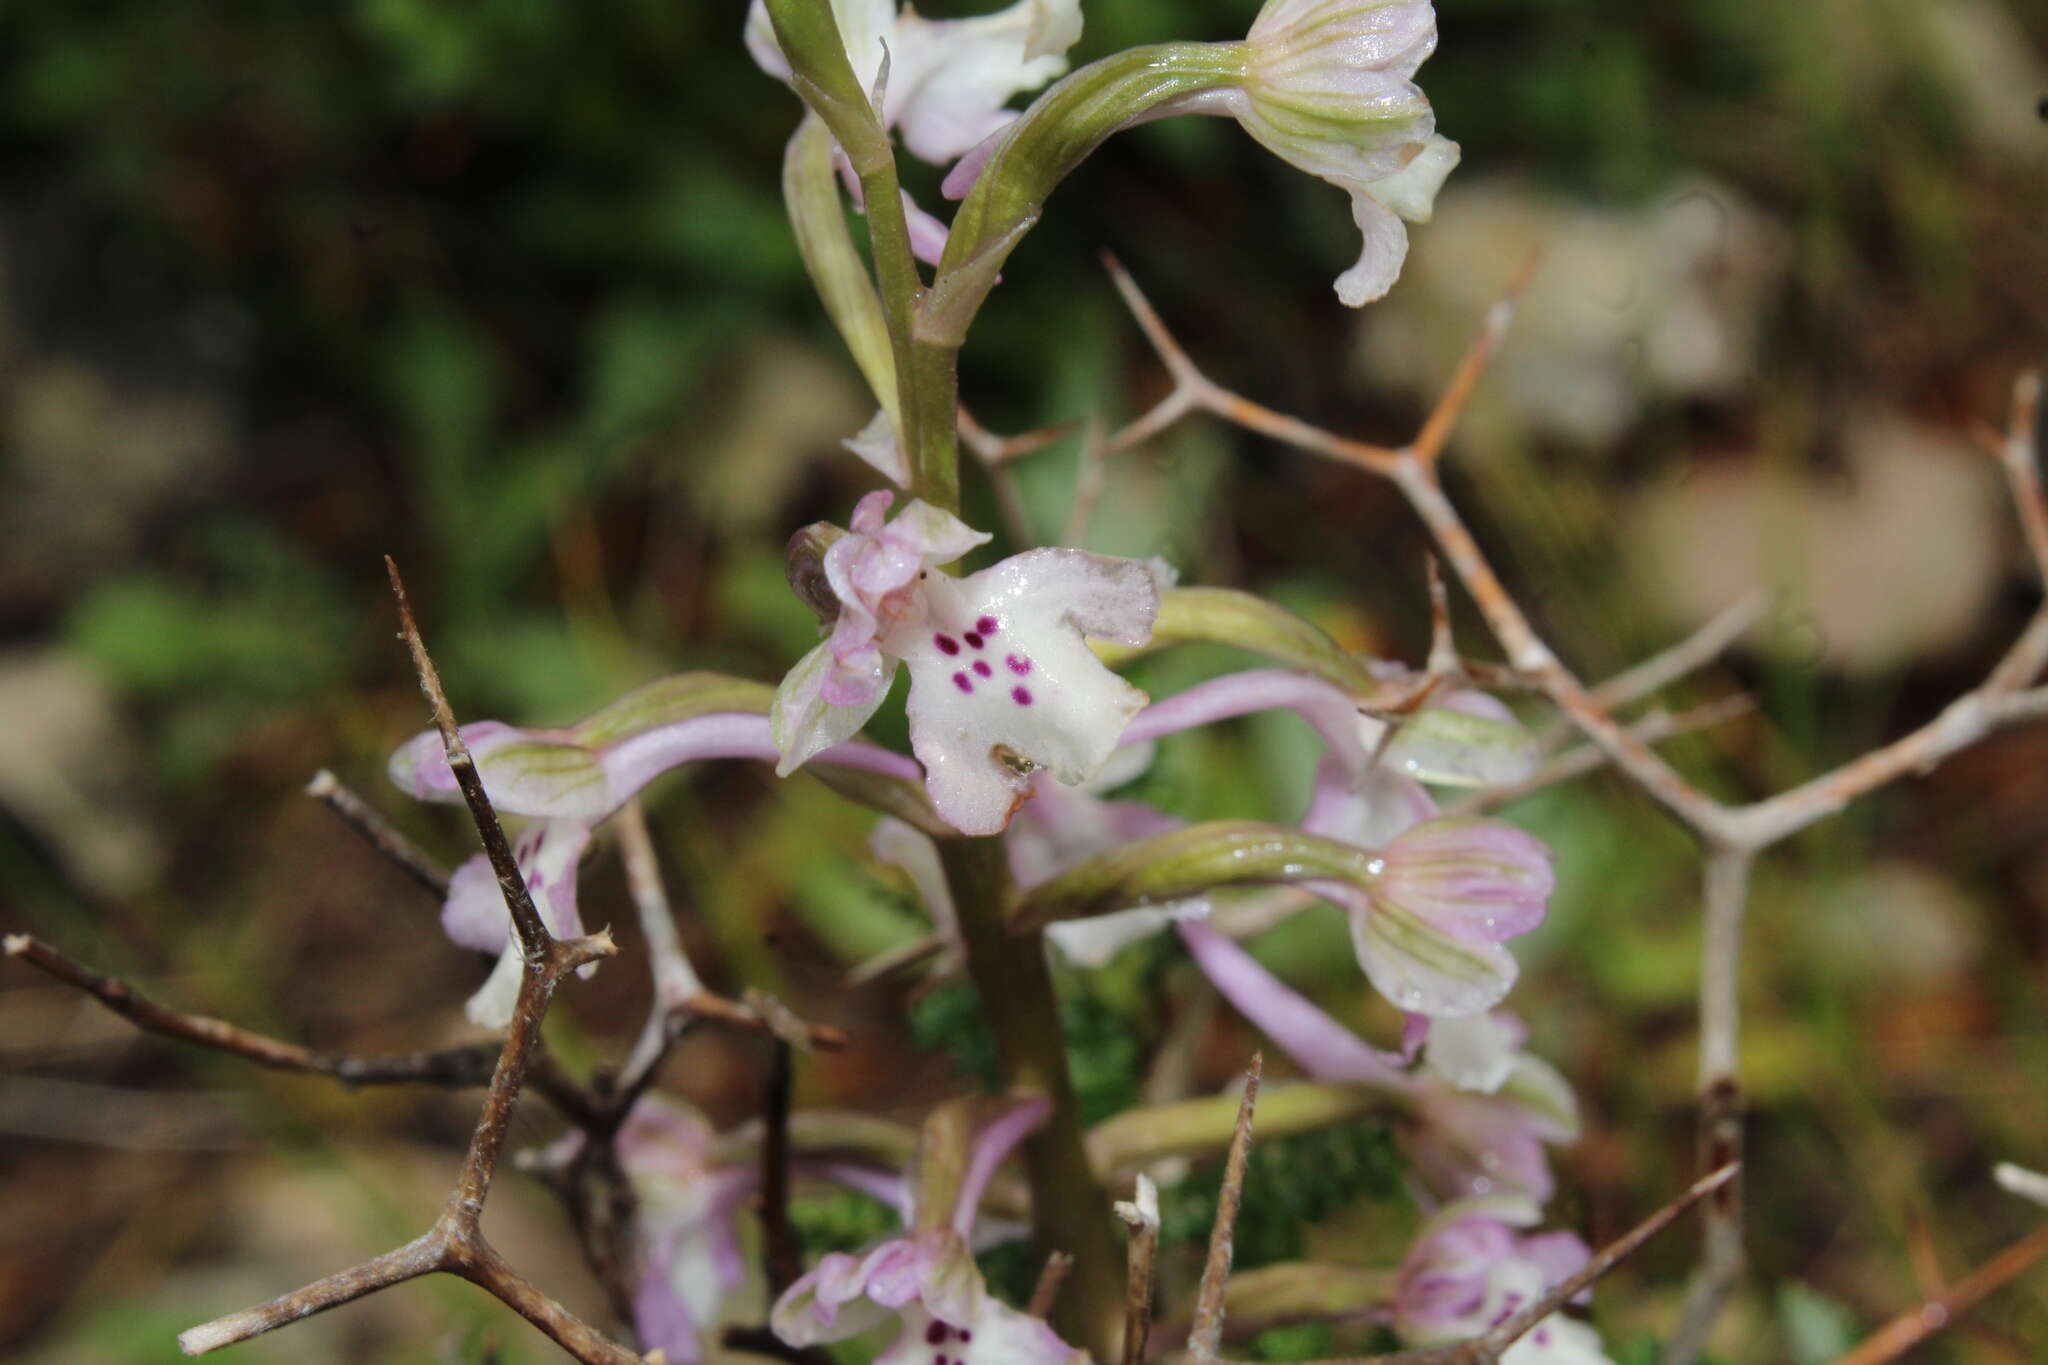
986, 625
971, 638
1018, 666
1020, 695
981, 667
935, 1333
947, 644
960, 681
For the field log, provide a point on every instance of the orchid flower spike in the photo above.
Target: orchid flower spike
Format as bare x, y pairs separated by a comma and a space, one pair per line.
1472, 1268
1002, 682
929, 1282
1329, 87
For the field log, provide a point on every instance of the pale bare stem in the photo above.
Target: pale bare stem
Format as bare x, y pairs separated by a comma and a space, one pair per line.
463, 1066
1046, 1292
1720, 1096
675, 980
1653, 728
1694, 652
422, 1256
2031, 1186
1443, 419
365, 820
1141, 1257
1915, 1325
1205, 1338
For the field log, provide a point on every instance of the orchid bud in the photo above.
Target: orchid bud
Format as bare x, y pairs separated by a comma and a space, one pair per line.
1329, 87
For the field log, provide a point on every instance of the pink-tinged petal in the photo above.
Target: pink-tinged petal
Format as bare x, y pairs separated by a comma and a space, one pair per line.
950, 79
896, 1271
661, 1319
1559, 1255
828, 1303
475, 916
803, 723
927, 238
419, 767
1469, 1144
870, 512
1333, 714
1371, 811
1474, 1052
979, 724
960, 180
990, 1147
865, 27
663, 1139
1418, 966
1319, 1045
1478, 880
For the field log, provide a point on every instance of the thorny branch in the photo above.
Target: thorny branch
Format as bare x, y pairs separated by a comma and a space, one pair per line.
455, 1244
1205, 1338
1732, 835
364, 819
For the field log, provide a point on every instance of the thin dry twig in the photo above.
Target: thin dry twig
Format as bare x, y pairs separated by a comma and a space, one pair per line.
455, 1244
1915, 1325
1141, 1213
1653, 728
1046, 1292
1205, 1338
360, 816
462, 1066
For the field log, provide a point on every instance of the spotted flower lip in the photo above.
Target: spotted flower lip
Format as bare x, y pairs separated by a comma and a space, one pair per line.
928, 1281
1002, 682
1473, 1267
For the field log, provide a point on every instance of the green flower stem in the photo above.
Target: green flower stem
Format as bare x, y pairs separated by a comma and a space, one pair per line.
1069, 1210
809, 37
1191, 1127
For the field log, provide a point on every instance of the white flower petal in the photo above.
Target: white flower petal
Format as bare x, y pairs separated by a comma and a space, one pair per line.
494, 1002
879, 445
1379, 259
1412, 190
1474, 1052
